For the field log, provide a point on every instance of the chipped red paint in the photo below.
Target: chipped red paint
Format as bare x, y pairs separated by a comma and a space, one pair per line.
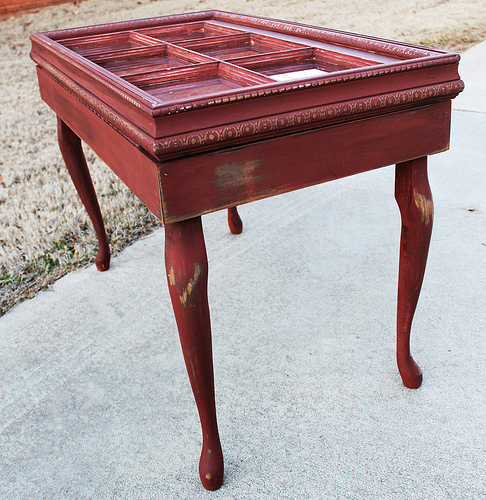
187, 276
414, 199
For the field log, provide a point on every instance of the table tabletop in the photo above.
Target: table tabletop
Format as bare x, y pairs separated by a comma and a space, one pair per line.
204, 82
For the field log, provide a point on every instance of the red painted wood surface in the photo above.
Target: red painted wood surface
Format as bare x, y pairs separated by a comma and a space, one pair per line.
234, 221
133, 167
353, 67
267, 168
204, 111
73, 155
187, 275
414, 199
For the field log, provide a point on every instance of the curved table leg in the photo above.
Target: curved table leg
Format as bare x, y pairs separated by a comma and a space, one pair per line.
412, 192
187, 274
72, 152
234, 221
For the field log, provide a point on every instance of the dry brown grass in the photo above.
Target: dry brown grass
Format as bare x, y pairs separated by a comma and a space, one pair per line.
44, 231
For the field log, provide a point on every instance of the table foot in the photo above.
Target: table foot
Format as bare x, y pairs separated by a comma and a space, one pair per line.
412, 192
211, 466
187, 274
72, 152
234, 221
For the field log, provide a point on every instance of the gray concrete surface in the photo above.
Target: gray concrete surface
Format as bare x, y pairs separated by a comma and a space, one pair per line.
97, 405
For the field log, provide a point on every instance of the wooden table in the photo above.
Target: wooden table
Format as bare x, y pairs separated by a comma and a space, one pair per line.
205, 111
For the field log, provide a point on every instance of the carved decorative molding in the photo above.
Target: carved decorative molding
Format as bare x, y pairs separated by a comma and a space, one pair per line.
370, 44
263, 127
302, 120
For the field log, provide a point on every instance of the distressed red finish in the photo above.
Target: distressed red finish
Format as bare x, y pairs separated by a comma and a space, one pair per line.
207, 111
414, 199
187, 274
72, 152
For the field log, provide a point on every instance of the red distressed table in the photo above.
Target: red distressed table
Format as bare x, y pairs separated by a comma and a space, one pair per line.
205, 111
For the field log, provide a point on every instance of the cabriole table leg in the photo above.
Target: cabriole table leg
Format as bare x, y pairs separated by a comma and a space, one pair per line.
187, 274
234, 221
412, 192
72, 152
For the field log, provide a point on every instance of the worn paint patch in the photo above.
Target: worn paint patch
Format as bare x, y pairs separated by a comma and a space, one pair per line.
237, 174
171, 276
425, 206
185, 292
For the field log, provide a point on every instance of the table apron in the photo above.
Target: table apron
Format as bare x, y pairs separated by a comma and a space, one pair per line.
203, 183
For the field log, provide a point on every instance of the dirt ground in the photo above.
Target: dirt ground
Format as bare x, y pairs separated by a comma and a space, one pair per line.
44, 231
